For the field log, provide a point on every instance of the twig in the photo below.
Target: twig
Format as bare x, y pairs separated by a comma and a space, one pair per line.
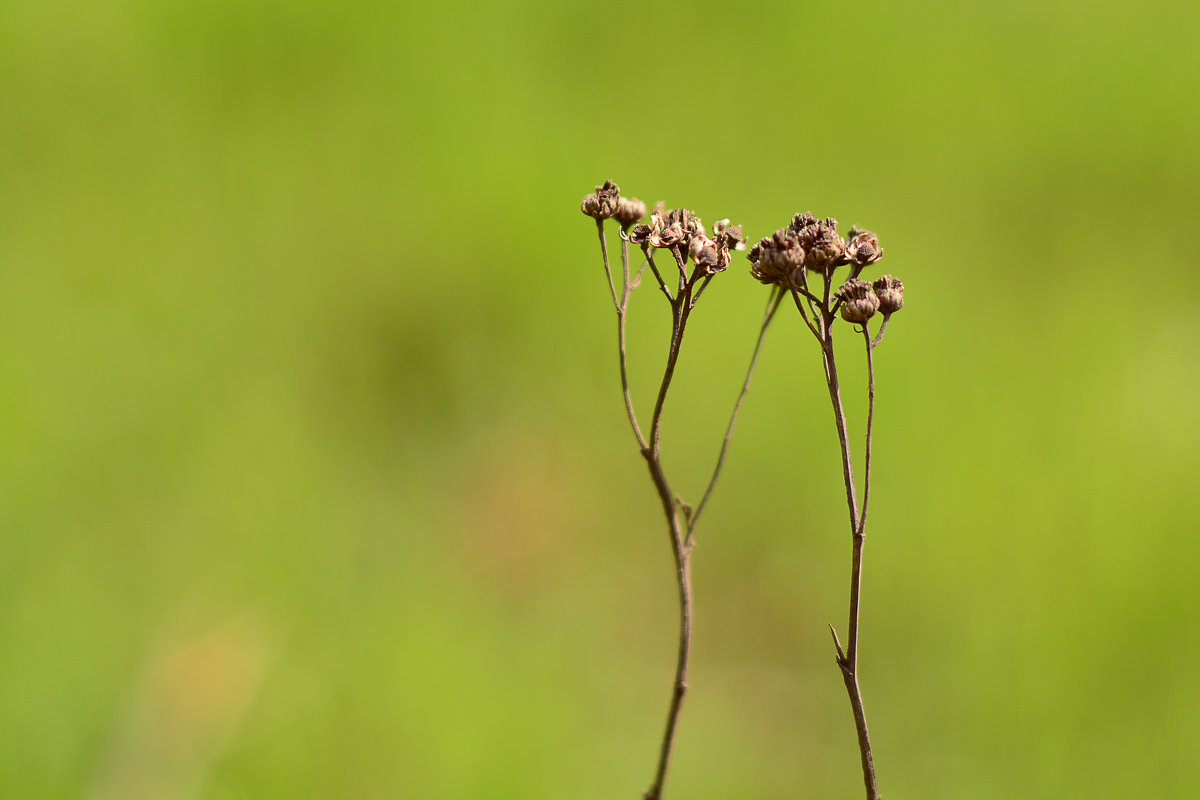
661, 283
859, 537
848, 659
604, 252
839, 418
804, 316
700, 291
773, 302
680, 548
621, 309
882, 327
637, 279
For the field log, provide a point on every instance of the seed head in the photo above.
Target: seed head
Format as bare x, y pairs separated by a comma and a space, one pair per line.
727, 237
890, 291
824, 249
629, 210
802, 221
658, 233
774, 258
602, 203
703, 251
859, 303
687, 221
862, 247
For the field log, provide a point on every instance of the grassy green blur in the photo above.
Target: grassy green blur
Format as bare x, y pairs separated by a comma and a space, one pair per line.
314, 476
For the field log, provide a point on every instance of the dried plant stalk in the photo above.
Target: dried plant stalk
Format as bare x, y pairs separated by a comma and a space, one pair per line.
682, 235
786, 260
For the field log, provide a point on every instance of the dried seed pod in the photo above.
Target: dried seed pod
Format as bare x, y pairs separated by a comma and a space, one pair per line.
629, 211
727, 237
859, 303
823, 248
640, 234
602, 203
703, 251
802, 221
666, 236
689, 224
775, 257
890, 291
862, 247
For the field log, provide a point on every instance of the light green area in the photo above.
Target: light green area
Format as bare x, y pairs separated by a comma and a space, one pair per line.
314, 477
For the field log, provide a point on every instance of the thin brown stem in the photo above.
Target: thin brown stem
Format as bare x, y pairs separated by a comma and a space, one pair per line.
850, 678
773, 301
604, 252
839, 418
680, 547
700, 291
804, 316
622, 307
862, 516
682, 552
848, 659
859, 534
679, 311
654, 267
882, 327
637, 279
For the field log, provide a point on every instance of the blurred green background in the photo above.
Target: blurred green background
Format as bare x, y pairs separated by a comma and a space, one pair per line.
314, 476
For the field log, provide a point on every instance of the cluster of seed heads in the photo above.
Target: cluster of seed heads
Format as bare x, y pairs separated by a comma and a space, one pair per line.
813, 246
676, 229
861, 299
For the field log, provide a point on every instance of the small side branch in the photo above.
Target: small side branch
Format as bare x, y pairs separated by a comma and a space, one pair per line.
882, 327
804, 316
607, 270
773, 302
658, 275
622, 307
860, 726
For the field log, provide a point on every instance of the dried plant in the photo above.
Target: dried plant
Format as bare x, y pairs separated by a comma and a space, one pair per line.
682, 236
801, 260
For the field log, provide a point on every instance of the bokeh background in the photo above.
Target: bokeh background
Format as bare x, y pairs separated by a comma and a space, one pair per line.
315, 480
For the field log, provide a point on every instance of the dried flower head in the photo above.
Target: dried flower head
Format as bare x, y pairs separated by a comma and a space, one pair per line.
890, 291
603, 202
775, 257
703, 251
862, 247
629, 211
687, 221
802, 221
668, 228
640, 234
859, 303
824, 249
727, 237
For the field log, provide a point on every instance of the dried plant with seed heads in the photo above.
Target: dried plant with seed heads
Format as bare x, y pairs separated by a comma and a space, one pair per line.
682, 236
801, 260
